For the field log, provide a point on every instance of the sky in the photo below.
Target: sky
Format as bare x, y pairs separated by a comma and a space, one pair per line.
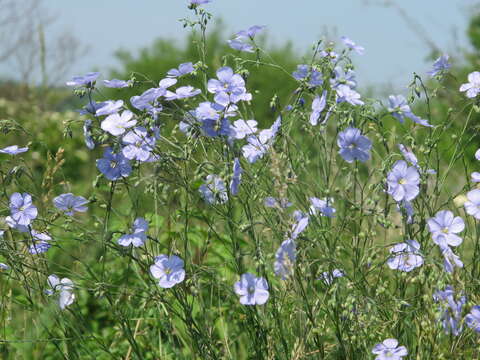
394, 49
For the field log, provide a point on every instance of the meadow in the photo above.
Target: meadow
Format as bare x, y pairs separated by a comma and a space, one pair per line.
235, 204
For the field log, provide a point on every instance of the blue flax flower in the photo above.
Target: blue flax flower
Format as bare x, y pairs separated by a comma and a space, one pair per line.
183, 69
403, 182
238, 44
148, 101
399, 108
318, 105
214, 111
15, 225
407, 207
473, 318
166, 83
22, 209
342, 77
138, 236
40, 243
226, 99
226, 82
13, 150
312, 76
444, 228
473, 86
346, 94
214, 128
250, 32
114, 166
109, 107
138, 144
199, 2
285, 259
389, 350
477, 154
252, 290
85, 80
91, 108
405, 256
258, 145
328, 277
323, 205
254, 150
450, 259
116, 83
207, 110
212, 123
213, 191
329, 54
116, 124
87, 134
440, 65
408, 155
475, 177
242, 128
70, 203
168, 270
272, 202
301, 224
472, 206
63, 288
182, 92
353, 145
451, 310
237, 177
360, 50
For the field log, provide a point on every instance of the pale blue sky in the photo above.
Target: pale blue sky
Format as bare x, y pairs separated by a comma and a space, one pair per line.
393, 50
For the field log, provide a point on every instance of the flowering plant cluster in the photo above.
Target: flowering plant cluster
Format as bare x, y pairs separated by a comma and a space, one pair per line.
331, 229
